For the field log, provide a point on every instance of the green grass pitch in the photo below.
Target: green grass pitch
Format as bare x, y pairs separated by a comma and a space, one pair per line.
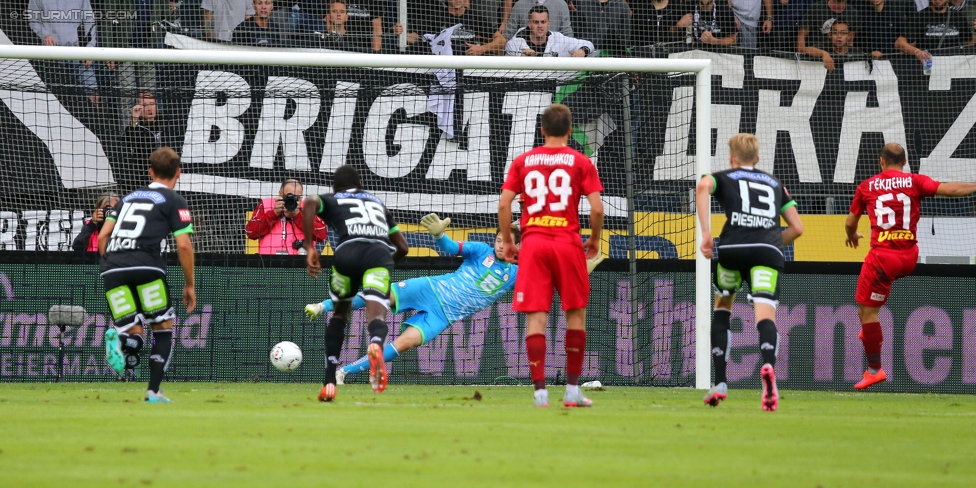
278, 435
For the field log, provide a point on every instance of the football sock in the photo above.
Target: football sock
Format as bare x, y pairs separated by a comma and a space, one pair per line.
362, 364
575, 349
768, 341
535, 348
572, 389
358, 302
378, 330
162, 350
721, 337
872, 338
335, 334
131, 345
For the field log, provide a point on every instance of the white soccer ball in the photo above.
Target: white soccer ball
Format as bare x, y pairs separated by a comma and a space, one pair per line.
286, 356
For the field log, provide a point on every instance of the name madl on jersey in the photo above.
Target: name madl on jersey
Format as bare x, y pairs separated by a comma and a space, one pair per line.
754, 221
120, 244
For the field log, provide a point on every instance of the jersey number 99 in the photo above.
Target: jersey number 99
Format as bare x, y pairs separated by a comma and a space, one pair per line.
538, 187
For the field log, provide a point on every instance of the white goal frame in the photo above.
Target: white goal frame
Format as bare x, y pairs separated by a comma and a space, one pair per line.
703, 96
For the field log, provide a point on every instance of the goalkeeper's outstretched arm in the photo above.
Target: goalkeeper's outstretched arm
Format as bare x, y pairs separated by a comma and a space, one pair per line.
436, 226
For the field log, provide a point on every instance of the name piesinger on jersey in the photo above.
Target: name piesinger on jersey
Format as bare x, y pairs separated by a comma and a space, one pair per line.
747, 220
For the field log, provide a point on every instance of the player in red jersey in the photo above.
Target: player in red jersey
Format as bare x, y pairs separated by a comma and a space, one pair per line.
892, 199
552, 178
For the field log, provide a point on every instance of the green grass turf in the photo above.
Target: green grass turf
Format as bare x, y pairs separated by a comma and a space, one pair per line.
237, 435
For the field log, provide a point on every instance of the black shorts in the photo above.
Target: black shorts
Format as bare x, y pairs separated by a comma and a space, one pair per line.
365, 265
136, 296
760, 266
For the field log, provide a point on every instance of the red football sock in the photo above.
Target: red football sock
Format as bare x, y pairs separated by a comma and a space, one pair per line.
535, 348
872, 337
575, 347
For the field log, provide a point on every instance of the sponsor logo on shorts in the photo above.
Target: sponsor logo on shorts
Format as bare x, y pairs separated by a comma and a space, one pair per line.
185, 215
519, 297
547, 221
402, 284
895, 235
877, 296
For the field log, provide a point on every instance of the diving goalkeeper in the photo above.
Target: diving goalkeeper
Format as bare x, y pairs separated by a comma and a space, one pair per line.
439, 301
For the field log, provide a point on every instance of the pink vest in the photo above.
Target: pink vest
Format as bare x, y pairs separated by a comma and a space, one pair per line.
283, 234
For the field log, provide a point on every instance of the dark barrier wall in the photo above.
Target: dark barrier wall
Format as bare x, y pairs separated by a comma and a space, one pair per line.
929, 327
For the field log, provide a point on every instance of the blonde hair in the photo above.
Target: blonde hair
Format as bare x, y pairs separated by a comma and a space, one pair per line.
105, 199
744, 148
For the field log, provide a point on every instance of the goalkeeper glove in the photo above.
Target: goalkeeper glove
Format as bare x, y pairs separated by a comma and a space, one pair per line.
593, 262
435, 225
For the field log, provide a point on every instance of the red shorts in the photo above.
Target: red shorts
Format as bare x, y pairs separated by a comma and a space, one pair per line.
880, 269
546, 265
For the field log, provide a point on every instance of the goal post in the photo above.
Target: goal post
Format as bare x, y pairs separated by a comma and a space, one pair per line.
490, 68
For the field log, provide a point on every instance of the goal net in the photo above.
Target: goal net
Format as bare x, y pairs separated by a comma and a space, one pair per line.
427, 133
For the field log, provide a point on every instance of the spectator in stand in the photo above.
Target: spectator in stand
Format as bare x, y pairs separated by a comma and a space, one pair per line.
277, 222
747, 14
496, 12
220, 17
711, 23
373, 11
87, 239
137, 28
538, 40
475, 37
139, 139
266, 28
68, 23
558, 16
787, 15
605, 23
934, 28
881, 25
657, 21
338, 34
842, 42
815, 27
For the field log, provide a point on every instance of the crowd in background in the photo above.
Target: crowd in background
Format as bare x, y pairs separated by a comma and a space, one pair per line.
830, 30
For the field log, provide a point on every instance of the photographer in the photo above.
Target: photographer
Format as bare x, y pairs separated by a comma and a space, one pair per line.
277, 222
87, 239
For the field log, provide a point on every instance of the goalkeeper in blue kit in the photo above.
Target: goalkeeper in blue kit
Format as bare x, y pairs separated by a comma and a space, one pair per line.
482, 279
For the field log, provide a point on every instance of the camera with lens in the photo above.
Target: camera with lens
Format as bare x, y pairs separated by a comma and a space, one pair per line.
291, 202
298, 244
106, 211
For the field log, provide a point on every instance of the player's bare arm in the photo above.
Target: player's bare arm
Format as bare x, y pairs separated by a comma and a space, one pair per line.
703, 195
592, 245
310, 207
184, 250
954, 189
104, 234
850, 225
794, 227
400, 243
505, 224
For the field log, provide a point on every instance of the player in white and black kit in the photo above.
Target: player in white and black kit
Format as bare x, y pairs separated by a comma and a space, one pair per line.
134, 271
751, 249
369, 242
